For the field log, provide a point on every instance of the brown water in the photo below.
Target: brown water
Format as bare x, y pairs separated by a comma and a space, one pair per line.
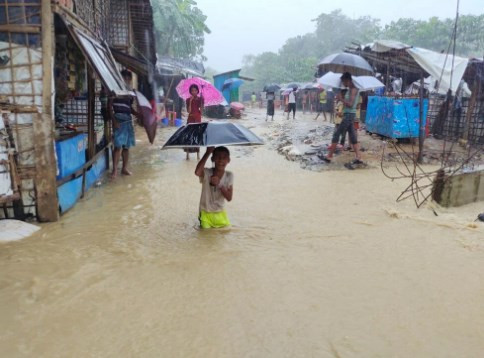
316, 265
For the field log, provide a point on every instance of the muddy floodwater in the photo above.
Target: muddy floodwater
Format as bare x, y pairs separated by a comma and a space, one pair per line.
317, 264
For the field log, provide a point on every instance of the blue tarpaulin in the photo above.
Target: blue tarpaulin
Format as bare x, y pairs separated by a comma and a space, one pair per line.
96, 171
394, 118
69, 193
71, 154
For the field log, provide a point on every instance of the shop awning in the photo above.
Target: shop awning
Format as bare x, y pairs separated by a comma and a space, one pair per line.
138, 66
101, 60
172, 66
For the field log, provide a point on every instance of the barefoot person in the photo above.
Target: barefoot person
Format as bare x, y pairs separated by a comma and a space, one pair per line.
292, 100
217, 187
350, 101
194, 109
121, 109
323, 100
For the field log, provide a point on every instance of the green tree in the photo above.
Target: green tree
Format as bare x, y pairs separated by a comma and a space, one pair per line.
297, 59
209, 73
180, 28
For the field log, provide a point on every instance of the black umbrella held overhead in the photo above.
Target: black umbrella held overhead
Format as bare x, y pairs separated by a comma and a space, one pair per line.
212, 134
346, 62
272, 87
293, 85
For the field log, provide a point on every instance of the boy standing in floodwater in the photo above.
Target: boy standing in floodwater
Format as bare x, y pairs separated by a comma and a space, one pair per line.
217, 186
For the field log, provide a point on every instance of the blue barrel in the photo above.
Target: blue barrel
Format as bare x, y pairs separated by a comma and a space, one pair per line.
165, 122
178, 122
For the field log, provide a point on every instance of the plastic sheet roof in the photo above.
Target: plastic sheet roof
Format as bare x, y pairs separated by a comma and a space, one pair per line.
448, 69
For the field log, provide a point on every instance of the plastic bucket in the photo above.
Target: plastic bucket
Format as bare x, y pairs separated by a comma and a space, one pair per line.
178, 122
165, 122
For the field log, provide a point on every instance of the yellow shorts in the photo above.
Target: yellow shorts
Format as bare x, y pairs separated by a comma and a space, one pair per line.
213, 220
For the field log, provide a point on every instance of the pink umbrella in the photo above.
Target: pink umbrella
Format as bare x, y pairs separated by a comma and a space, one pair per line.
147, 116
211, 95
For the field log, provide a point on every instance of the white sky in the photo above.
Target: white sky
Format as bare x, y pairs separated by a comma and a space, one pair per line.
241, 27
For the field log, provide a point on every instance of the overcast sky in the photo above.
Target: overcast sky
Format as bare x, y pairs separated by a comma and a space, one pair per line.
241, 27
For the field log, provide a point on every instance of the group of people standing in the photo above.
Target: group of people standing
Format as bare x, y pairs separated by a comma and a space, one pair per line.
309, 100
346, 107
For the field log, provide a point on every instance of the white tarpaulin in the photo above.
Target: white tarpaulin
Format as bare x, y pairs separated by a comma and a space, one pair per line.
439, 66
388, 45
12, 230
21, 77
431, 85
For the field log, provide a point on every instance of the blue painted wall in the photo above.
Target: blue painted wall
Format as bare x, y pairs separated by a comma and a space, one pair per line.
394, 118
230, 96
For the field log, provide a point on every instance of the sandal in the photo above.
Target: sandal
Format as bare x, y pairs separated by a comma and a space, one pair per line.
324, 158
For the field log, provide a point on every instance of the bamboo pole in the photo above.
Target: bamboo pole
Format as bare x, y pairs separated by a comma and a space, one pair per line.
421, 135
91, 98
43, 125
470, 110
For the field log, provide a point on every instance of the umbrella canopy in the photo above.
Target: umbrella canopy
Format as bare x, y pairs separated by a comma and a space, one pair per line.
288, 91
367, 83
232, 83
330, 80
311, 86
212, 134
237, 106
363, 83
293, 85
148, 118
272, 87
346, 62
211, 95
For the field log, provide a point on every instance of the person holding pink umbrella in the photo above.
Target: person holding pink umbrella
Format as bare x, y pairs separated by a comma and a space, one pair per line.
194, 109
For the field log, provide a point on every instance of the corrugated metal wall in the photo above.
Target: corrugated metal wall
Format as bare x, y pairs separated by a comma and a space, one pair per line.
230, 95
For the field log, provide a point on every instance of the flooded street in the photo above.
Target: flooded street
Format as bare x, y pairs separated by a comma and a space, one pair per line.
317, 264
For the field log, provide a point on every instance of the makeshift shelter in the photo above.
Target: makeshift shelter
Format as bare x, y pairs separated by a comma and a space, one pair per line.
397, 60
230, 94
56, 67
170, 71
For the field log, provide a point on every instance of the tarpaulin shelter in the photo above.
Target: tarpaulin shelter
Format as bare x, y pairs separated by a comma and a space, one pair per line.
453, 118
394, 58
56, 60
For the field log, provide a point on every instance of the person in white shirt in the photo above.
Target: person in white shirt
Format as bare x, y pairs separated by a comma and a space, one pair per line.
292, 104
217, 187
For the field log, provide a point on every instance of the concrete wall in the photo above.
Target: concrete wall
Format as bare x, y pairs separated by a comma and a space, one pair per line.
460, 189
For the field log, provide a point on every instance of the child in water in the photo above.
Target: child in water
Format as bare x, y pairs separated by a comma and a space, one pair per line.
217, 186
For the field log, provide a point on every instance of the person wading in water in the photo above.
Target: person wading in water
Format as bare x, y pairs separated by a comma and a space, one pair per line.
121, 109
350, 101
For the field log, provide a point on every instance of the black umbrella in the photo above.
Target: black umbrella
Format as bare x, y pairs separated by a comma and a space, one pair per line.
272, 87
346, 62
293, 85
212, 134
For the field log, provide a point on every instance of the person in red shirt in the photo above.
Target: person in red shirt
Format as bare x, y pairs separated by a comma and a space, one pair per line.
194, 109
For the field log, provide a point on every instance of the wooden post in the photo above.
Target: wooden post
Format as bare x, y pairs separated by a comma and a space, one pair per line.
470, 110
43, 126
421, 134
91, 107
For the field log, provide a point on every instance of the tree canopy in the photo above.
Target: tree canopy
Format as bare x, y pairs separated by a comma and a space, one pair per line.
297, 59
180, 28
